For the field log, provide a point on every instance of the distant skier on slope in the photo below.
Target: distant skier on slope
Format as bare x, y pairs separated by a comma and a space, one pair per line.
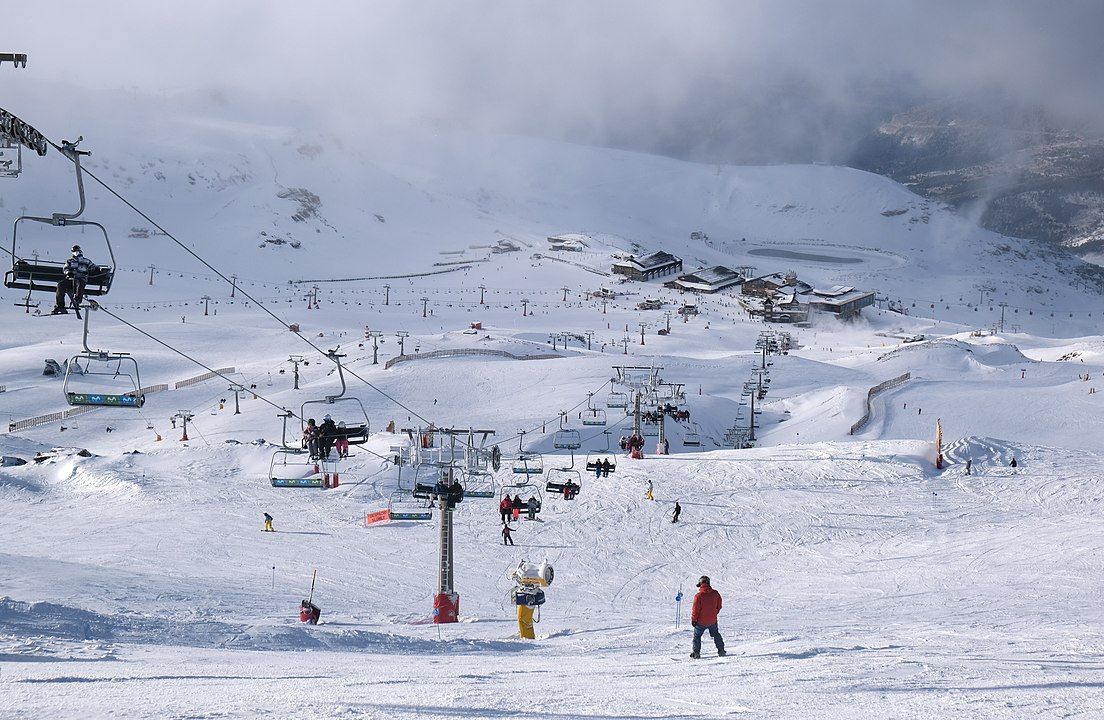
678, 511
268, 523
1013, 463
648, 494
703, 617
506, 538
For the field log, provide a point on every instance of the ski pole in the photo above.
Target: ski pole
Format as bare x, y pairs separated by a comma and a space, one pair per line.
678, 607
314, 576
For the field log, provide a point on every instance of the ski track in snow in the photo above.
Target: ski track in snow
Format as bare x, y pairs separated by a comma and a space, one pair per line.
858, 581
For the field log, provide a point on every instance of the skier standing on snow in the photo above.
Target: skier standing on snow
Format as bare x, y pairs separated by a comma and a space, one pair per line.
969, 464
506, 539
648, 495
678, 511
268, 523
703, 616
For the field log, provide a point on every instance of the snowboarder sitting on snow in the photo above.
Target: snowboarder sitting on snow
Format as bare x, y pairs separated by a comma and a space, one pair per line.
1013, 463
268, 523
76, 271
506, 539
703, 616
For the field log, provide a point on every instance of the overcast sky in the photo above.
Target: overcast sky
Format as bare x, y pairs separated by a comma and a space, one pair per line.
580, 67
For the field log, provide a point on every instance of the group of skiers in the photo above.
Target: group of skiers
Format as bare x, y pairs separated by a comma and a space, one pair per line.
653, 416
603, 467
511, 508
633, 444
321, 440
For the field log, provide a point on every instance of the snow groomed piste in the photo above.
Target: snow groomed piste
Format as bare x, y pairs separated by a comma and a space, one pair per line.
857, 577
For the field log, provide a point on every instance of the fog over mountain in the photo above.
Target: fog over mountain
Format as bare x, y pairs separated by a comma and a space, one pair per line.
709, 81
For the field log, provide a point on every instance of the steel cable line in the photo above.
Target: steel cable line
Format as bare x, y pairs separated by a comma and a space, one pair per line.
283, 410
216, 271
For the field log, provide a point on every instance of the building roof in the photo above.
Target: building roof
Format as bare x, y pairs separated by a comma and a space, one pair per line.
569, 238
650, 261
839, 296
713, 275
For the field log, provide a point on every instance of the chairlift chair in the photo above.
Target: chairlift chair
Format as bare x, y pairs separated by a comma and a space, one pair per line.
402, 505
617, 400
479, 484
524, 489
593, 460
567, 440
595, 418
46, 275
11, 157
556, 479
692, 438
356, 433
84, 372
528, 464
293, 468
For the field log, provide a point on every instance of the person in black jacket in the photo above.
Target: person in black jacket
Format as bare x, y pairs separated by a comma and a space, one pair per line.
327, 435
77, 269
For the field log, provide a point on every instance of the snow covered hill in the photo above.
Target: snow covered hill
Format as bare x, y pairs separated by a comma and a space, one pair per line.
858, 579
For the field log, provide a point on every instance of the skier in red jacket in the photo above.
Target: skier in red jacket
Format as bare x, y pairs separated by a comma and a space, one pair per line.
703, 616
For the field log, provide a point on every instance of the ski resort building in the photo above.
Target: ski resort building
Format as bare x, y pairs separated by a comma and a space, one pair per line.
840, 300
707, 280
648, 267
767, 286
568, 242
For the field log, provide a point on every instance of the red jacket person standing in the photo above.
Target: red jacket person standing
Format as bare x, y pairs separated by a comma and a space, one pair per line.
703, 616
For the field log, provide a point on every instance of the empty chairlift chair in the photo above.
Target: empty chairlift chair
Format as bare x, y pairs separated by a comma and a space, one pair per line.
595, 417
567, 440
528, 464
101, 378
293, 468
402, 505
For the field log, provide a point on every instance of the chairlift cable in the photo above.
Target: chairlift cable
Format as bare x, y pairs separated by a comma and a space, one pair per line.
244, 293
185, 355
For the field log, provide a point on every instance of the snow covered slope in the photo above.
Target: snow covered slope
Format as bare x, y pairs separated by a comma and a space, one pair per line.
858, 580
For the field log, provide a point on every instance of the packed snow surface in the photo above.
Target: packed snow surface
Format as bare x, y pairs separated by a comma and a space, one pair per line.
858, 579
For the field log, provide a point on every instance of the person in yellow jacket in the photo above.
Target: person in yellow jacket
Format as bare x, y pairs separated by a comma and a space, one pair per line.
268, 523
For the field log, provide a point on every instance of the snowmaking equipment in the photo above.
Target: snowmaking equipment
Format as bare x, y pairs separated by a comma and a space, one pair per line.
528, 594
308, 611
